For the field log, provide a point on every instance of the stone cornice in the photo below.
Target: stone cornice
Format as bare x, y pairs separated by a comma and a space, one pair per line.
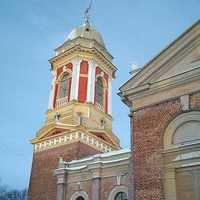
180, 148
183, 42
78, 49
97, 162
73, 137
168, 86
84, 41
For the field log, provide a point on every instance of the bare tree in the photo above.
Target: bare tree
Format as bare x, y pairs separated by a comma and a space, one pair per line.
10, 194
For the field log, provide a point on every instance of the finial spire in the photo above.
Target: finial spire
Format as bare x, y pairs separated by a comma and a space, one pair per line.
87, 14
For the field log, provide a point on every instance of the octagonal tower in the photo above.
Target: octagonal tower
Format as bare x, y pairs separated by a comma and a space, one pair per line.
78, 122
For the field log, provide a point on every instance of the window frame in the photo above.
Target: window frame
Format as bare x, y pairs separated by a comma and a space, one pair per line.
67, 79
120, 195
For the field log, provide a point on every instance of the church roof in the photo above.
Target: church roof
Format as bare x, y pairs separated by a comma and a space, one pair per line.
86, 31
107, 158
175, 66
173, 47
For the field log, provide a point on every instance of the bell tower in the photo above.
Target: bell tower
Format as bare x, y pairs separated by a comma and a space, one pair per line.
78, 121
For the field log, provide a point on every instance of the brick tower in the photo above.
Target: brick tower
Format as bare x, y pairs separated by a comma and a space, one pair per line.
78, 122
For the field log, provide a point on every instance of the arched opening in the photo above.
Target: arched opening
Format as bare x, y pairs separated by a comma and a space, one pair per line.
80, 195
99, 97
64, 86
80, 198
63, 90
119, 192
121, 196
187, 133
181, 150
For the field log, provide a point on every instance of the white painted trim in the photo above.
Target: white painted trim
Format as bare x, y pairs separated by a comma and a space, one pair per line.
185, 102
116, 190
69, 138
110, 97
174, 124
75, 79
52, 91
79, 194
91, 81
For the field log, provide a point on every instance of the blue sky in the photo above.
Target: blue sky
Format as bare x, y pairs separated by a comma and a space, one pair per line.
134, 31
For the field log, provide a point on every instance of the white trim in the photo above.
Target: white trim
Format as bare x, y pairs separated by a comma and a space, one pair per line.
69, 138
52, 91
91, 81
75, 79
171, 128
116, 190
109, 97
185, 102
79, 194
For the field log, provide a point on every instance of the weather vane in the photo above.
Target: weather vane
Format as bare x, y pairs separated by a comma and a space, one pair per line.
87, 13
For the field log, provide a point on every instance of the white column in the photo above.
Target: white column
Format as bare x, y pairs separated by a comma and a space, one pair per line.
52, 92
91, 81
110, 97
75, 79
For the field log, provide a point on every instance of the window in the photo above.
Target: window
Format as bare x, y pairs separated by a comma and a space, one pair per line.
187, 132
64, 86
180, 142
121, 196
182, 130
99, 91
79, 198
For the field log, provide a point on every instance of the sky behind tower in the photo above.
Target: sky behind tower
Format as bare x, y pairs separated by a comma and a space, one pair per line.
133, 30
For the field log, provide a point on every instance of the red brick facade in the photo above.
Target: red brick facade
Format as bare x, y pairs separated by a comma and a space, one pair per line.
42, 183
106, 186
148, 127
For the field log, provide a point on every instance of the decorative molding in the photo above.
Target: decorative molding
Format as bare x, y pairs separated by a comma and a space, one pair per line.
109, 97
185, 102
91, 52
174, 124
91, 81
118, 179
52, 92
73, 137
75, 79
79, 194
190, 38
116, 190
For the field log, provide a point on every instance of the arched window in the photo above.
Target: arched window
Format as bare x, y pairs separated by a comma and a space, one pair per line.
80, 198
121, 196
64, 86
99, 91
80, 195
183, 130
181, 144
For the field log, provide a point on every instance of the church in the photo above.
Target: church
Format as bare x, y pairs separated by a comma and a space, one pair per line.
77, 156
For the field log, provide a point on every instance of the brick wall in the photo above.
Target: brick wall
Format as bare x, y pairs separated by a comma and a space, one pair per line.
148, 127
42, 184
106, 186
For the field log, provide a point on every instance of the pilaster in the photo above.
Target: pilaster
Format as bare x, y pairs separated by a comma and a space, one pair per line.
61, 183
110, 97
91, 81
52, 93
131, 188
75, 79
96, 184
